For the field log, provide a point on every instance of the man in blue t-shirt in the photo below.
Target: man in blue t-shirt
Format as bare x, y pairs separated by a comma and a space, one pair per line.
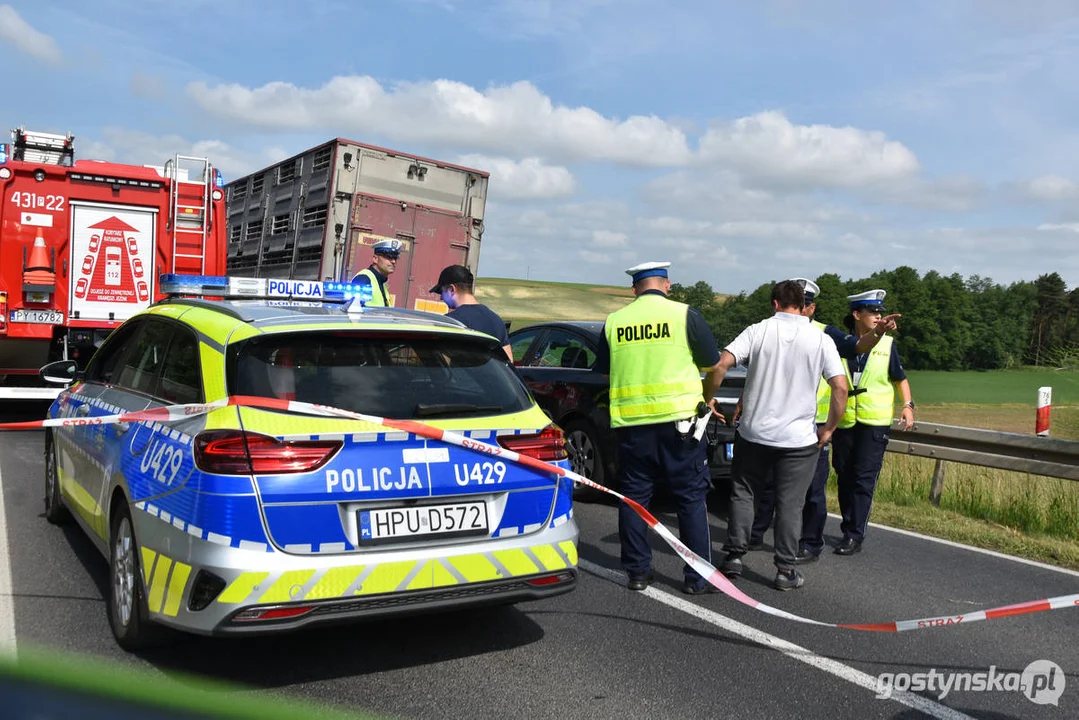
456, 285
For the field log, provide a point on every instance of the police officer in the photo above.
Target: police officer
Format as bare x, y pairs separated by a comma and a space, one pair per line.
378, 272
860, 441
654, 350
815, 510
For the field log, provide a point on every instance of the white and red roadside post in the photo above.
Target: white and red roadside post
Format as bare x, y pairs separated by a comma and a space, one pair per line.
1045, 405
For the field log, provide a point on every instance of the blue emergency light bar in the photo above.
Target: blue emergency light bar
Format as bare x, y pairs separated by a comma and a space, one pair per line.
248, 288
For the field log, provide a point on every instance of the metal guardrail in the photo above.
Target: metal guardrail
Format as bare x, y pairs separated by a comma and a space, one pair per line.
1032, 454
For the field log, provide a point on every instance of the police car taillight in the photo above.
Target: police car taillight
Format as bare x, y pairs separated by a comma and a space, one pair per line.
547, 445
236, 452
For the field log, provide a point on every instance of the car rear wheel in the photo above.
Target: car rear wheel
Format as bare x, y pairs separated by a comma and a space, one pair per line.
128, 616
55, 512
585, 456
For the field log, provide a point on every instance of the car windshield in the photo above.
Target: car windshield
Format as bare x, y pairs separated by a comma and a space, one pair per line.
398, 376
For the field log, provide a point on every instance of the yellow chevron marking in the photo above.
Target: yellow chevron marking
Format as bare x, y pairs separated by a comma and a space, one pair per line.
158, 583
517, 562
570, 549
177, 582
440, 576
475, 568
239, 589
280, 591
148, 556
386, 577
550, 558
334, 582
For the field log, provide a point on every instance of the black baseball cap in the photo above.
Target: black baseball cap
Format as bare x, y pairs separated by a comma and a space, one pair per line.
453, 275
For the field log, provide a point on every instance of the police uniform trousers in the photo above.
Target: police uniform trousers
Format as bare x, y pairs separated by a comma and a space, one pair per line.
649, 455
857, 455
815, 511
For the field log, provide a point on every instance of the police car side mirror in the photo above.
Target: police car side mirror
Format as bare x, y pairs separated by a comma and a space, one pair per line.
61, 371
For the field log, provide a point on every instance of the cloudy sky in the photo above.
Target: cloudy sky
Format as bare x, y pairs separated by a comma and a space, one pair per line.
743, 141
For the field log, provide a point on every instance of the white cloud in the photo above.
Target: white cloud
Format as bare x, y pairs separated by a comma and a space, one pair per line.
25, 38
1058, 227
769, 147
608, 239
501, 118
744, 229
143, 148
528, 178
1048, 188
595, 258
956, 193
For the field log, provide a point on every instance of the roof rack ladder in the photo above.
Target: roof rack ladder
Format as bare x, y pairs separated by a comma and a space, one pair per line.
189, 211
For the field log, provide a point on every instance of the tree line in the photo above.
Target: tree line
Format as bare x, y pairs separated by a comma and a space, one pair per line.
948, 323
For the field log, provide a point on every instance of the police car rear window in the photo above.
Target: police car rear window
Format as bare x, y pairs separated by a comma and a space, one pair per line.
399, 377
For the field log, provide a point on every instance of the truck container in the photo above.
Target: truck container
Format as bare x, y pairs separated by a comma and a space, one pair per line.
315, 215
82, 243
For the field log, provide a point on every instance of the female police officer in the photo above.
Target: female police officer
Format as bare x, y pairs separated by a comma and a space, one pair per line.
859, 443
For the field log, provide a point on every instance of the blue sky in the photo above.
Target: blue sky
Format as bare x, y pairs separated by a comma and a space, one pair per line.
744, 142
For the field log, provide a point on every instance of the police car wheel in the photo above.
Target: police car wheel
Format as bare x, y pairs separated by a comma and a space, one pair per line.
585, 454
128, 617
55, 512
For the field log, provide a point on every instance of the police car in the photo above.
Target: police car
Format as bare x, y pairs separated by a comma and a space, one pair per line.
249, 520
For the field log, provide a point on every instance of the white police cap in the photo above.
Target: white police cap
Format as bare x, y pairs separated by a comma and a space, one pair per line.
811, 289
869, 299
389, 246
647, 270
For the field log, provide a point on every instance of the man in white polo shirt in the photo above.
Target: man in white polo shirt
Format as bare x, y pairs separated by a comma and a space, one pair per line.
785, 358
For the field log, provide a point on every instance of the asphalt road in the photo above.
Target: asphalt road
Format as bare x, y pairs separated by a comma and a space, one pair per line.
600, 651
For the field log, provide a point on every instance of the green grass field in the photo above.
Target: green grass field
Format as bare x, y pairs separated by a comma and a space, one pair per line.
997, 387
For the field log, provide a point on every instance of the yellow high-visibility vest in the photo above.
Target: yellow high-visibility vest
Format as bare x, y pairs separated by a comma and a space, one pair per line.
824, 390
876, 404
653, 376
378, 298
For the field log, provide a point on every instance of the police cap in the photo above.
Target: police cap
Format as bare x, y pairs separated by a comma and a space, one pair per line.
868, 300
647, 270
390, 247
811, 289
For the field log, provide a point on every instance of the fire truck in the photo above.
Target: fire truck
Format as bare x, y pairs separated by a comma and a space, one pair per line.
82, 243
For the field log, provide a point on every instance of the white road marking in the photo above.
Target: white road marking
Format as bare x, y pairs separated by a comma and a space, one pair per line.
796, 652
961, 546
7, 598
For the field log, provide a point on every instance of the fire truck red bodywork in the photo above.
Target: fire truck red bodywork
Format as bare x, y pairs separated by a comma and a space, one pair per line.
81, 248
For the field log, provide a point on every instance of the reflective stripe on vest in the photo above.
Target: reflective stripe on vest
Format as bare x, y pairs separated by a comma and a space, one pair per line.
378, 290
653, 376
876, 404
824, 390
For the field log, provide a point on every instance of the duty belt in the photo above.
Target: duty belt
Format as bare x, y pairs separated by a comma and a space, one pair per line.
697, 423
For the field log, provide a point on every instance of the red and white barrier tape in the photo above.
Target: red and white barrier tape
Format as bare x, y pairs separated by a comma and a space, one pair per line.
702, 566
